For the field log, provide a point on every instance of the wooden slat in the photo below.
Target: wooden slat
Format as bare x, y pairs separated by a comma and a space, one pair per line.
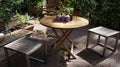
25, 45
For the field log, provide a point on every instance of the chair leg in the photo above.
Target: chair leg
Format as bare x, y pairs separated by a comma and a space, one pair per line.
88, 35
105, 45
45, 55
27, 60
117, 37
7, 56
98, 39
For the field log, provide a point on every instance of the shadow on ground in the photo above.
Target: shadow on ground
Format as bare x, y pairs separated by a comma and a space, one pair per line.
91, 56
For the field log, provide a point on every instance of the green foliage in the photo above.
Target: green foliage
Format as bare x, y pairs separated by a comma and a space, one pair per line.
107, 13
17, 5
99, 12
36, 3
9, 7
85, 6
65, 9
40, 4
22, 19
5, 11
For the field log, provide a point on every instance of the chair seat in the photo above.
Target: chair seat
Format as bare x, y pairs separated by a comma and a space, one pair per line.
103, 31
25, 45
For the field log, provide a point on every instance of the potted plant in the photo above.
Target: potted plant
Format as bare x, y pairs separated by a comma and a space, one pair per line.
64, 56
5, 15
65, 12
22, 22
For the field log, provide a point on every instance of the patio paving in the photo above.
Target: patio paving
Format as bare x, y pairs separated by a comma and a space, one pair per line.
85, 58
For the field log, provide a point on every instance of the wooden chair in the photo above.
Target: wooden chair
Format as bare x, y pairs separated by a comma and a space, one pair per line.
104, 32
50, 11
26, 46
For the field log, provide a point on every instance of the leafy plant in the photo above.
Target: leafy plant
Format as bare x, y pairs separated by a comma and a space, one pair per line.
107, 14
65, 10
23, 19
5, 11
36, 3
69, 3
99, 12
63, 56
40, 3
17, 5
68, 10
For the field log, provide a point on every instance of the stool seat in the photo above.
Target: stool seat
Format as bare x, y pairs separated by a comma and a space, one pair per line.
104, 31
25, 45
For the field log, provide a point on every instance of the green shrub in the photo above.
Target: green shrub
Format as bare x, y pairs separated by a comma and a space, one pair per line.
107, 13
99, 12
23, 19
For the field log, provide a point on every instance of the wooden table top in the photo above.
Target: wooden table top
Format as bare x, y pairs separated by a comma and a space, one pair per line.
77, 22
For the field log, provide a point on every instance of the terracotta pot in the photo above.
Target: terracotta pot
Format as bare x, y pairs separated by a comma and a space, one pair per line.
29, 27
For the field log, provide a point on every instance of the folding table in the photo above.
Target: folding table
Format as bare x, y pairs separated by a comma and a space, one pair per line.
66, 29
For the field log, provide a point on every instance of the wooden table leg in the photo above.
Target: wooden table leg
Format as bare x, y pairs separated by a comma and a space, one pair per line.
66, 37
61, 40
69, 39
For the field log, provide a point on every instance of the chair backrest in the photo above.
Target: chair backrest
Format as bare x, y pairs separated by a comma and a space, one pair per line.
50, 11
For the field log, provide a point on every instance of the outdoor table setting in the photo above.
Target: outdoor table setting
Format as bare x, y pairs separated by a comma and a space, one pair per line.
65, 28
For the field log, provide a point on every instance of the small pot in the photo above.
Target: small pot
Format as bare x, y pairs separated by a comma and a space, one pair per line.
71, 17
58, 18
67, 19
63, 18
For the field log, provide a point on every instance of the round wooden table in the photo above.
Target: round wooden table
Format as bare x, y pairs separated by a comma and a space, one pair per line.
75, 23
66, 29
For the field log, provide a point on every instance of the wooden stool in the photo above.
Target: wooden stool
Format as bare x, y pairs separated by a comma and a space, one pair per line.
105, 32
26, 46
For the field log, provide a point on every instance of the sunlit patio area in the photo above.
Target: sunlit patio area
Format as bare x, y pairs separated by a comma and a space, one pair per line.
59, 33
84, 58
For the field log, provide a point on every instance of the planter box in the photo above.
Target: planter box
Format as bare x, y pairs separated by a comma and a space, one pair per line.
10, 24
29, 27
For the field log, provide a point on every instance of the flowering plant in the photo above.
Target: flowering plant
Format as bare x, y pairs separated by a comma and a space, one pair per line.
65, 13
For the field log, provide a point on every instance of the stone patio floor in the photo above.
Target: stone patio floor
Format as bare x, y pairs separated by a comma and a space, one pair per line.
85, 58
